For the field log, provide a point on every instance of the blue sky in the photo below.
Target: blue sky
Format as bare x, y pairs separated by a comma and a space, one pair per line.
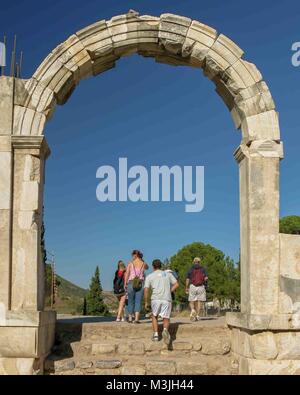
153, 114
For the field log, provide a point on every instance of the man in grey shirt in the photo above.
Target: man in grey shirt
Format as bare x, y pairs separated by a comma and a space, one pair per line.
162, 285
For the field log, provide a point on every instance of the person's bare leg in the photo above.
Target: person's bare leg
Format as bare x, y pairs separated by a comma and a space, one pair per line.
198, 307
202, 309
155, 336
154, 324
166, 323
121, 306
118, 315
193, 310
165, 334
137, 316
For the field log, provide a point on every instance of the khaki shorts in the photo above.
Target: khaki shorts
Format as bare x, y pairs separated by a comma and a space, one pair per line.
197, 294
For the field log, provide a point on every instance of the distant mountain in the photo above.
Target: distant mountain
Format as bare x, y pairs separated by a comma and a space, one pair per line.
70, 297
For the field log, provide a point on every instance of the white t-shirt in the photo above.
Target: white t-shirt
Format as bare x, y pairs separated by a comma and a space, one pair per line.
160, 282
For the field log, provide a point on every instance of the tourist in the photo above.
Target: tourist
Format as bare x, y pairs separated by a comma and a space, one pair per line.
195, 287
119, 289
174, 273
134, 284
162, 285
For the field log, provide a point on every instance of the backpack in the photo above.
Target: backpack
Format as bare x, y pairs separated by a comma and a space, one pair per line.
119, 288
137, 282
197, 277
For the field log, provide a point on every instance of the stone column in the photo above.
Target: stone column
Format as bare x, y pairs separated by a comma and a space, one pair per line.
5, 223
264, 340
29, 154
259, 225
6, 125
26, 331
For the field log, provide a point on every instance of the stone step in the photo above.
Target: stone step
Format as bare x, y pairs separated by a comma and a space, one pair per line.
184, 346
114, 330
200, 365
121, 348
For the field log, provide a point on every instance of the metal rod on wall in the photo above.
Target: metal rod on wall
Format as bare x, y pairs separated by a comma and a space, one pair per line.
13, 58
20, 65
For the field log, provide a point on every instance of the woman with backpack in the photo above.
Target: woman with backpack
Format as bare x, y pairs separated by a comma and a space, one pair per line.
134, 283
119, 289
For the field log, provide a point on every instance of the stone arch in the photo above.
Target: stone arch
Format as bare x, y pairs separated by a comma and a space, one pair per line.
263, 338
170, 39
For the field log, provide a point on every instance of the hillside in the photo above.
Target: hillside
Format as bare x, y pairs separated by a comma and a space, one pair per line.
69, 299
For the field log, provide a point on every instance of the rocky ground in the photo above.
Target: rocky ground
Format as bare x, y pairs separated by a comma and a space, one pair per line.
97, 345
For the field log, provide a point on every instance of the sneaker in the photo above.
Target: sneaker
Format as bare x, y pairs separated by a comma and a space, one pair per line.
198, 318
155, 338
118, 319
166, 336
123, 319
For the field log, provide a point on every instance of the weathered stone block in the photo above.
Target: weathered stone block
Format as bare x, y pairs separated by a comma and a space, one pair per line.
30, 196
61, 366
28, 121
18, 342
266, 367
288, 344
187, 368
107, 372
182, 346
6, 105
133, 370
197, 346
158, 367
202, 34
19, 366
103, 348
261, 126
263, 346
289, 273
135, 348
215, 346
155, 346
5, 180
108, 364
83, 364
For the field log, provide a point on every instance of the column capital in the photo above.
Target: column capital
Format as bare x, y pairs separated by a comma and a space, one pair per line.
259, 148
31, 143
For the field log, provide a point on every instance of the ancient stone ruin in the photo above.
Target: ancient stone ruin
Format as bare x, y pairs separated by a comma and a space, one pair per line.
265, 335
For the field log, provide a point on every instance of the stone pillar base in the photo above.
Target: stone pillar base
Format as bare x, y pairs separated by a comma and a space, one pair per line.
26, 338
250, 366
265, 344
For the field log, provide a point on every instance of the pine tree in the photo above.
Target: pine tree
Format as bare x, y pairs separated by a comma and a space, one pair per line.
94, 301
84, 307
43, 244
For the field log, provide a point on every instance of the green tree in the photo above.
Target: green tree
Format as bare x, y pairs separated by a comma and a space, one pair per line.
290, 225
223, 273
94, 301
